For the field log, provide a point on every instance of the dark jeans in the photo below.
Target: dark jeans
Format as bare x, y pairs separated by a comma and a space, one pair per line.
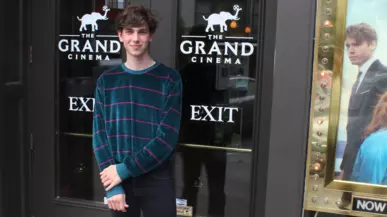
152, 193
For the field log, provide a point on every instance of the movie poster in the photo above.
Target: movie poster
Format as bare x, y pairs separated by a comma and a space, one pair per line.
361, 149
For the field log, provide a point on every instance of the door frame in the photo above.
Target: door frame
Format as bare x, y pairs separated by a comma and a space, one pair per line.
2, 100
274, 130
43, 95
279, 189
45, 202
15, 162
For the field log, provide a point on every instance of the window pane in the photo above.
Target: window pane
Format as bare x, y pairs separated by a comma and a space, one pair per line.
85, 49
217, 61
12, 64
78, 170
218, 71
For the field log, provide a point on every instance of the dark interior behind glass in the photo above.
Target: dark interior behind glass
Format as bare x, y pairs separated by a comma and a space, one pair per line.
213, 159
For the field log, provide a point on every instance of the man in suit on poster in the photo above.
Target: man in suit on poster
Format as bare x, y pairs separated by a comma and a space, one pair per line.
371, 82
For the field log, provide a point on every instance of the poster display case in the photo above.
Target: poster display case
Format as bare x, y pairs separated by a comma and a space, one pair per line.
347, 149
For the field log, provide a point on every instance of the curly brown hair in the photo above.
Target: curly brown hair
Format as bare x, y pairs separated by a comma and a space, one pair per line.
379, 118
136, 15
362, 32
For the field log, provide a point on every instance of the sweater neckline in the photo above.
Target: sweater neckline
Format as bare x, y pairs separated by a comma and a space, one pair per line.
139, 72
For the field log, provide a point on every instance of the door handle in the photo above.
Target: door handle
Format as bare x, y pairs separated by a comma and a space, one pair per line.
32, 147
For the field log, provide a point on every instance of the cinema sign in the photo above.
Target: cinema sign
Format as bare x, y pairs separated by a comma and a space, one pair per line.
216, 47
87, 44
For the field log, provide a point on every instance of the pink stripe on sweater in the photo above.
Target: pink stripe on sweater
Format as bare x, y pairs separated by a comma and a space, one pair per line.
123, 151
158, 76
136, 87
100, 147
98, 116
175, 111
154, 156
172, 109
165, 143
169, 126
131, 119
175, 94
134, 103
128, 135
105, 162
139, 164
99, 131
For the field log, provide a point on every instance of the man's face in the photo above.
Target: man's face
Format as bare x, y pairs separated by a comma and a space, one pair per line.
135, 40
359, 53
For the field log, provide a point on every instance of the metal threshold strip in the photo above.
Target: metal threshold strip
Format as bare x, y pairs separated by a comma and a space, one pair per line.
181, 144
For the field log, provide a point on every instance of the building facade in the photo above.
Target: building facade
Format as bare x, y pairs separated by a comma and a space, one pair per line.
249, 70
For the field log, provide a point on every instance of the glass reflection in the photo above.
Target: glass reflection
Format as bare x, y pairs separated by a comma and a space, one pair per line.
207, 82
215, 182
217, 66
84, 51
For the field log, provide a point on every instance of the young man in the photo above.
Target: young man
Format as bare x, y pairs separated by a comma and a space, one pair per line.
371, 83
136, 124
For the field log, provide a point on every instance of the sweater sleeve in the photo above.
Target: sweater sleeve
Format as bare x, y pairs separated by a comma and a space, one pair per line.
101, 148
162, 146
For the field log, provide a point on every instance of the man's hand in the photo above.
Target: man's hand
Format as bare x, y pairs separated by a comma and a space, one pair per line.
110, 177
118, 203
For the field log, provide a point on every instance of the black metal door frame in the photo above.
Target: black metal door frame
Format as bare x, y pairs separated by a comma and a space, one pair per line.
2, 156
280, 138
45, 202
284, 111
263, 110
15, 173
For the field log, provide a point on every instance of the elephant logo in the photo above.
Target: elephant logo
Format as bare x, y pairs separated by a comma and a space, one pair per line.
221, 18
91, 19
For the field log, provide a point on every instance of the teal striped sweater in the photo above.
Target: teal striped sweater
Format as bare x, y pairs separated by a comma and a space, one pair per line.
136, 119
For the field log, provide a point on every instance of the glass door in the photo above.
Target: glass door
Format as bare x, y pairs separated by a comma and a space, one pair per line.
213, 45
216, 57
82, 55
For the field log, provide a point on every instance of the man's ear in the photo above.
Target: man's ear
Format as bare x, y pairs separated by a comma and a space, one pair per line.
119, 33
373, 45
151, 38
